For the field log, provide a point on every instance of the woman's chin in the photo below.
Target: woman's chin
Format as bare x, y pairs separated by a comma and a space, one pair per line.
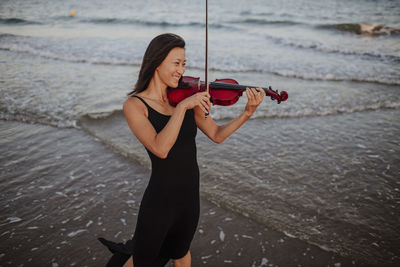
173, 84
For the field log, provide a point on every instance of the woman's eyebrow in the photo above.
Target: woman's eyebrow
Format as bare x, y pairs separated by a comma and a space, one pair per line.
178, 59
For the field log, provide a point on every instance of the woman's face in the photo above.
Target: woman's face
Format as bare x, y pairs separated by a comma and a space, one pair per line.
173, 67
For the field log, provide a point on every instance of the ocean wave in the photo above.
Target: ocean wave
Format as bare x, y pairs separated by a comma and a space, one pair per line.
26, 44
313, 113
100, 116
256, 21
333, 78
50, 55
134, 21
37, 119
252, 13
150, 23
59, 122
346, 51
72, 59
17, 21
363, 29
339, 110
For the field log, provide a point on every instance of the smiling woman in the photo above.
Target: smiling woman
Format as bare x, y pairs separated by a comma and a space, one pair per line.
169, 211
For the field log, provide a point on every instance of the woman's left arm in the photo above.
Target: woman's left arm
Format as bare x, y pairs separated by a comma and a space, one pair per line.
219, 133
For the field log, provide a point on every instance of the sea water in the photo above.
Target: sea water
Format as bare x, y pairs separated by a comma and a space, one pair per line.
322, 166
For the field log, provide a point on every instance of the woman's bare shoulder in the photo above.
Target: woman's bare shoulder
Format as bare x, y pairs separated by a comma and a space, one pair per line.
134, 105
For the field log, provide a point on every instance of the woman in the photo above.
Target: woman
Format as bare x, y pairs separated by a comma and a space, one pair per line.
169, 210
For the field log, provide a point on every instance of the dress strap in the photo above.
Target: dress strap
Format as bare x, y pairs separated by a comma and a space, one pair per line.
149, 108
141, 99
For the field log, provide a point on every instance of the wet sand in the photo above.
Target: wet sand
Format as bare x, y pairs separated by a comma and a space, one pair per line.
227, 239
70, 189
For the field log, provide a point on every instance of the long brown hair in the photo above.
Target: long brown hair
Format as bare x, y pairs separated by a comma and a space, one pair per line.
155, 54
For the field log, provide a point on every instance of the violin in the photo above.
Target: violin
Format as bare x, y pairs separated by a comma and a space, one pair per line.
223, 92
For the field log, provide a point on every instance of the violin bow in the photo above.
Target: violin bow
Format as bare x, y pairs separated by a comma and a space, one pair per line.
206, 61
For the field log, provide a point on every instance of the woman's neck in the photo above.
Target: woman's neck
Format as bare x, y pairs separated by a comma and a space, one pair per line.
157, 90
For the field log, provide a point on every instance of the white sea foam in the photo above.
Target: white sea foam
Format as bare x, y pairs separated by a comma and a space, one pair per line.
206, 257
117, 234
74, 233
14, 219
289, 234
264, 261
222, 236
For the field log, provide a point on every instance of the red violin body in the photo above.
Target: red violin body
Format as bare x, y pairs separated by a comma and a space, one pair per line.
223, 92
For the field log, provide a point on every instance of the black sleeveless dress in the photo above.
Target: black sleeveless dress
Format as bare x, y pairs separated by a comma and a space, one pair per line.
169, 211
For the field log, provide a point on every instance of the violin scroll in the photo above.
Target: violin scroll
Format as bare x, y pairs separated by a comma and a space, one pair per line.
283, 96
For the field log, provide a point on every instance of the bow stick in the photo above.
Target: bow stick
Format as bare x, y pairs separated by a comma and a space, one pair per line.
206, 66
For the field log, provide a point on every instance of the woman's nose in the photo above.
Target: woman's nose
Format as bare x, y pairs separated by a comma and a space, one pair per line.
181, 70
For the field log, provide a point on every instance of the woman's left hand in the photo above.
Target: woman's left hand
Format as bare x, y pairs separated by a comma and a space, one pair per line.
254, 98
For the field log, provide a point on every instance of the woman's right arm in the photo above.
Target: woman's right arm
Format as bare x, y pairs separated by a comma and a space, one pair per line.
160, 143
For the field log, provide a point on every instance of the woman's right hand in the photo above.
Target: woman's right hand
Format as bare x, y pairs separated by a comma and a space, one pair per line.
202, 100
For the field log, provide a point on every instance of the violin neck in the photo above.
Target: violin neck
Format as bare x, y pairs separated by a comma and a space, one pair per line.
229, 86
